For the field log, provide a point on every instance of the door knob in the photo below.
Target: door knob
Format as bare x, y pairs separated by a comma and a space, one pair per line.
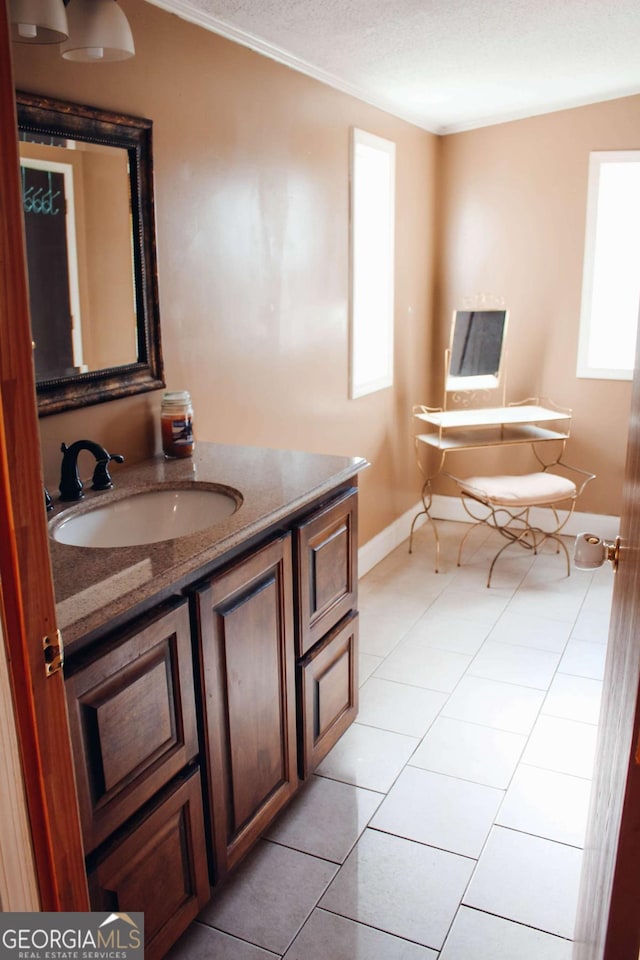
591, 552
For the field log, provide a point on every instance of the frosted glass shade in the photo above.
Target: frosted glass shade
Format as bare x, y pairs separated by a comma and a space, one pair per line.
38, 21
98, 30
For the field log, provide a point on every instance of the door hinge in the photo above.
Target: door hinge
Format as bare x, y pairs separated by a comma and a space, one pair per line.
53, 653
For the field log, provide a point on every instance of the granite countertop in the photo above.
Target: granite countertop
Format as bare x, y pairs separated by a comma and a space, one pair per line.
95, 585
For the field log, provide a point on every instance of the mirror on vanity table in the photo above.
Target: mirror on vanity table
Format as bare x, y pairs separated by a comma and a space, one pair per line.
87, 184
476, 354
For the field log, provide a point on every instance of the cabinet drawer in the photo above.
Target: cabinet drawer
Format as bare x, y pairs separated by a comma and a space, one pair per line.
132, 719
328, 692
158, 867
326, 569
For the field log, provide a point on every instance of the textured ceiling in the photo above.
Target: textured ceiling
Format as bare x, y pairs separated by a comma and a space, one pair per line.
445, 65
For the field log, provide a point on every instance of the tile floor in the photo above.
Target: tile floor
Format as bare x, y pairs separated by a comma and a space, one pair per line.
448, 822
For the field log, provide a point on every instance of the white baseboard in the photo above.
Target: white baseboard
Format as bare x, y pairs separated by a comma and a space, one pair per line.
376, 549
450, 508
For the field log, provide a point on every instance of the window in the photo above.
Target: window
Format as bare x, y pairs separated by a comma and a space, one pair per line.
611, 280
372, 262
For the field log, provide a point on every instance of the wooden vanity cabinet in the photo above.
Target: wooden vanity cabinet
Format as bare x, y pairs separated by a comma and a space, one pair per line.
326, 546
132, 717
188, 724
327, 692
157, 866
245, 644
326, 627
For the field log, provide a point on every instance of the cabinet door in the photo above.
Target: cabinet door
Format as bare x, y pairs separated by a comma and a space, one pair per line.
132, 719
159, 867
328, 690
247, 660
327, 569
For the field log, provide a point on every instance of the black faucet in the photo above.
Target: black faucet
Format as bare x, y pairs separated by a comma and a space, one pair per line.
70, 482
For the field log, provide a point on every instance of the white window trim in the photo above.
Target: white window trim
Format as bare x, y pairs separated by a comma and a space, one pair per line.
358, 330
584, 368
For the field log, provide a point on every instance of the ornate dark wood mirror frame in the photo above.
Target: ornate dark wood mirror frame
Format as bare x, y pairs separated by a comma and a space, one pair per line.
45, 116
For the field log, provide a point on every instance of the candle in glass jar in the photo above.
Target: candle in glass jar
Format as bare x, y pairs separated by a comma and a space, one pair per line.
176, 421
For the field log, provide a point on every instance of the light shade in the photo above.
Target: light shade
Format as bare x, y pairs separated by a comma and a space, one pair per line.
38, 21
98, 30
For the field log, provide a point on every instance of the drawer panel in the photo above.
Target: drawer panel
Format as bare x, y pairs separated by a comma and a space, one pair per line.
132, 719
158, 866
328, 693
327, 574
146, 702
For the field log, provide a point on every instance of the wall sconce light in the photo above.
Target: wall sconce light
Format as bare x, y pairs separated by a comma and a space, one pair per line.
89, 31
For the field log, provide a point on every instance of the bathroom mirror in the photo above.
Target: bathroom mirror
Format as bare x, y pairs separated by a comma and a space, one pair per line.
87, 191
476, 352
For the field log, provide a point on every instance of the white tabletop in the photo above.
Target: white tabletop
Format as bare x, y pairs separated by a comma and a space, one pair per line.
493, 416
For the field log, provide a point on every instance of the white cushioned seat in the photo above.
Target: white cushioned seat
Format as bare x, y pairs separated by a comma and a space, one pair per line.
525, 490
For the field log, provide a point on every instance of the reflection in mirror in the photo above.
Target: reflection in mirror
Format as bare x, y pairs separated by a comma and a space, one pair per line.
77, 218
89, 228
476, 352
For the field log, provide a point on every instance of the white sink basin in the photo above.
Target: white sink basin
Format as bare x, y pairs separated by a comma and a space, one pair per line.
148, 517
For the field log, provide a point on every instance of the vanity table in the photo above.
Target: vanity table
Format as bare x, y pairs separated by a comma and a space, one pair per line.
470, 419
440, 432
525, 422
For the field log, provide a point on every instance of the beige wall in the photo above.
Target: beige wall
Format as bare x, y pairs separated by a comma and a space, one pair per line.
251, 164
251, 175
513, 220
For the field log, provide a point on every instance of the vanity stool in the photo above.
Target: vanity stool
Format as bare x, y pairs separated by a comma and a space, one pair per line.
505, 503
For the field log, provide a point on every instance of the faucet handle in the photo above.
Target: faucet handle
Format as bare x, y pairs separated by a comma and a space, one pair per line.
101, 476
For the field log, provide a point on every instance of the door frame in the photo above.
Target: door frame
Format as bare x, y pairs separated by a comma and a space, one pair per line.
607, 925
73, 272
28, 603
18, 886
